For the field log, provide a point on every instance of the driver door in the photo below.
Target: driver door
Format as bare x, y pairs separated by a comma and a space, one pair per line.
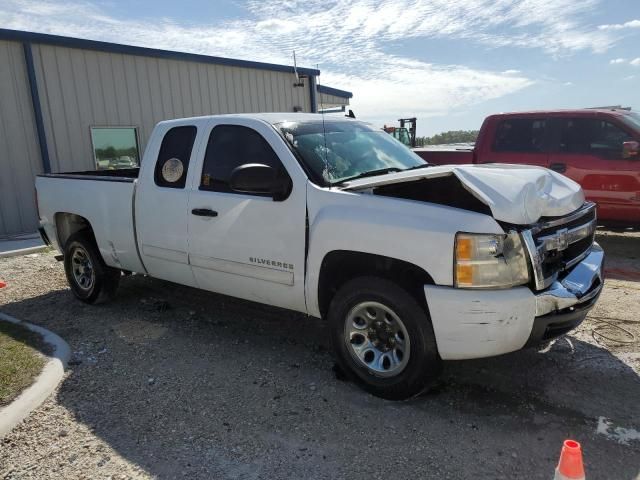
247, 245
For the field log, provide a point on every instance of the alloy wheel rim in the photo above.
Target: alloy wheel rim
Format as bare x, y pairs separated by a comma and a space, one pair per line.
83, 272
377, 339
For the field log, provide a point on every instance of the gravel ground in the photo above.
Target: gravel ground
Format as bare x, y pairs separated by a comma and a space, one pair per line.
171, 382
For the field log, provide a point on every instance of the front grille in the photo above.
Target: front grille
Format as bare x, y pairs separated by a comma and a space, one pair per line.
557, 244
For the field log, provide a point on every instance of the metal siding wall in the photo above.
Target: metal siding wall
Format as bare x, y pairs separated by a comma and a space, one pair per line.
84, 88
331, 100
19, 152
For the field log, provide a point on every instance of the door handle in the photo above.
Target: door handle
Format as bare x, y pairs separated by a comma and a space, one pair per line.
558, 167
204, 212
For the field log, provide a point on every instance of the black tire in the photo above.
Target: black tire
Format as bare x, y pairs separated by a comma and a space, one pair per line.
423, 365
104, 280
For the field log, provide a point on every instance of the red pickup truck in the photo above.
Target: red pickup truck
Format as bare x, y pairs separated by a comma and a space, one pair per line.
598, 148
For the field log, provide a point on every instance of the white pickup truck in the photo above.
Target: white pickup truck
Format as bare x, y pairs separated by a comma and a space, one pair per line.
410, 264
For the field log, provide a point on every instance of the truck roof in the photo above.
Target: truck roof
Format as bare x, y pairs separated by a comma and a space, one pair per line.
272, 118
569, 112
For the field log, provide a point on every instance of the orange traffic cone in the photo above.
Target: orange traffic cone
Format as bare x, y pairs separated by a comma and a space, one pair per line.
570, 465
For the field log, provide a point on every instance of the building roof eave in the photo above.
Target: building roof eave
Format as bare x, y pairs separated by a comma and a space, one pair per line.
71, 42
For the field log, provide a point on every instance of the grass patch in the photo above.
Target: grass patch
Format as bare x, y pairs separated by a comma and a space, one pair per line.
20, 359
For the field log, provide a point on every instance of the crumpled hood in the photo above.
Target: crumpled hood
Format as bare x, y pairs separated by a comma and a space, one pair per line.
518, 194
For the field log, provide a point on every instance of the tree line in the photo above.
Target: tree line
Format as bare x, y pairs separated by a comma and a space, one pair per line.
111, 153
452, 136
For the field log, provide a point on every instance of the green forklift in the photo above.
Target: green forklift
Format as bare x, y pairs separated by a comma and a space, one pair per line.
405, 133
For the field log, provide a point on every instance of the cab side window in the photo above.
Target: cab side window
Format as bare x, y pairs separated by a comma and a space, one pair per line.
591, 136
173, 159
520, 135
229, 147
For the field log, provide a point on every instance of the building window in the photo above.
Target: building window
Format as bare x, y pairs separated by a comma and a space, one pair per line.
115, 147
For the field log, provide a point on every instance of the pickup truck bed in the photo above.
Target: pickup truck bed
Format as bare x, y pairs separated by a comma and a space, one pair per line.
121, 175
112, 202
446, 154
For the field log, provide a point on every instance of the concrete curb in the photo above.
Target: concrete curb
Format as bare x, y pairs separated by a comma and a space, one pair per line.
45, 383
22, 251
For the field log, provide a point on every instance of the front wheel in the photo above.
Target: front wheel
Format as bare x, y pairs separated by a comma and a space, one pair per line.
90, 279
383, 339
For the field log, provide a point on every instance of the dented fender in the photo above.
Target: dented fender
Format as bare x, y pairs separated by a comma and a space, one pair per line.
422, 234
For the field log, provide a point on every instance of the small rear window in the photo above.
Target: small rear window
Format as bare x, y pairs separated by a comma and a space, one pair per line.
173, 160
520, 135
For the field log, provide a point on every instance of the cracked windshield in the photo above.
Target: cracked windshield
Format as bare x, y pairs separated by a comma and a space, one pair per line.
339, 151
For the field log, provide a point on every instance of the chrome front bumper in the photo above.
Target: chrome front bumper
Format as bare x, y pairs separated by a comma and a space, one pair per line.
582, 284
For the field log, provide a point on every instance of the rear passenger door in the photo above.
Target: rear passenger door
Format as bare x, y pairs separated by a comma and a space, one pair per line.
520, 141
161, 205
249, 245
589, 151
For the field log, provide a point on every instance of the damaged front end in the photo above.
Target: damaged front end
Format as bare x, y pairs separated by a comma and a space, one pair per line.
444, 190
532, 282
514, 194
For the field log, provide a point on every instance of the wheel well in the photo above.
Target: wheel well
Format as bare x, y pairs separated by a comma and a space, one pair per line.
340, 266
69, 223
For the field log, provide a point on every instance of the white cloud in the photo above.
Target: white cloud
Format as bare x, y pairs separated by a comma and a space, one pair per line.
553, 25
620, 26
336, 28
345, 38
568, 84
423, 90
618, 61
630, 77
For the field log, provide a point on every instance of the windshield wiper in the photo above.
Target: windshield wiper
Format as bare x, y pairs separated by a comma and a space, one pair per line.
371, 173
415, 167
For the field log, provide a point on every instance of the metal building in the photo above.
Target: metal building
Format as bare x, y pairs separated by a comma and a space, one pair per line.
69, 104
329, 98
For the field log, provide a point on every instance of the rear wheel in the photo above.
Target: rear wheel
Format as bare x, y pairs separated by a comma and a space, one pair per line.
90, 279
383, 339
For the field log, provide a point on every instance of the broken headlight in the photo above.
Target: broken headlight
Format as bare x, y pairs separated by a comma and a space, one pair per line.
489, 261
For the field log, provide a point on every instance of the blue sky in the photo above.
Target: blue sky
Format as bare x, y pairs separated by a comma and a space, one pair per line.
448, 62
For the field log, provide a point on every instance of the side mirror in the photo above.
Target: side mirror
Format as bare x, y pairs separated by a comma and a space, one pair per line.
259, 179
631, 150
